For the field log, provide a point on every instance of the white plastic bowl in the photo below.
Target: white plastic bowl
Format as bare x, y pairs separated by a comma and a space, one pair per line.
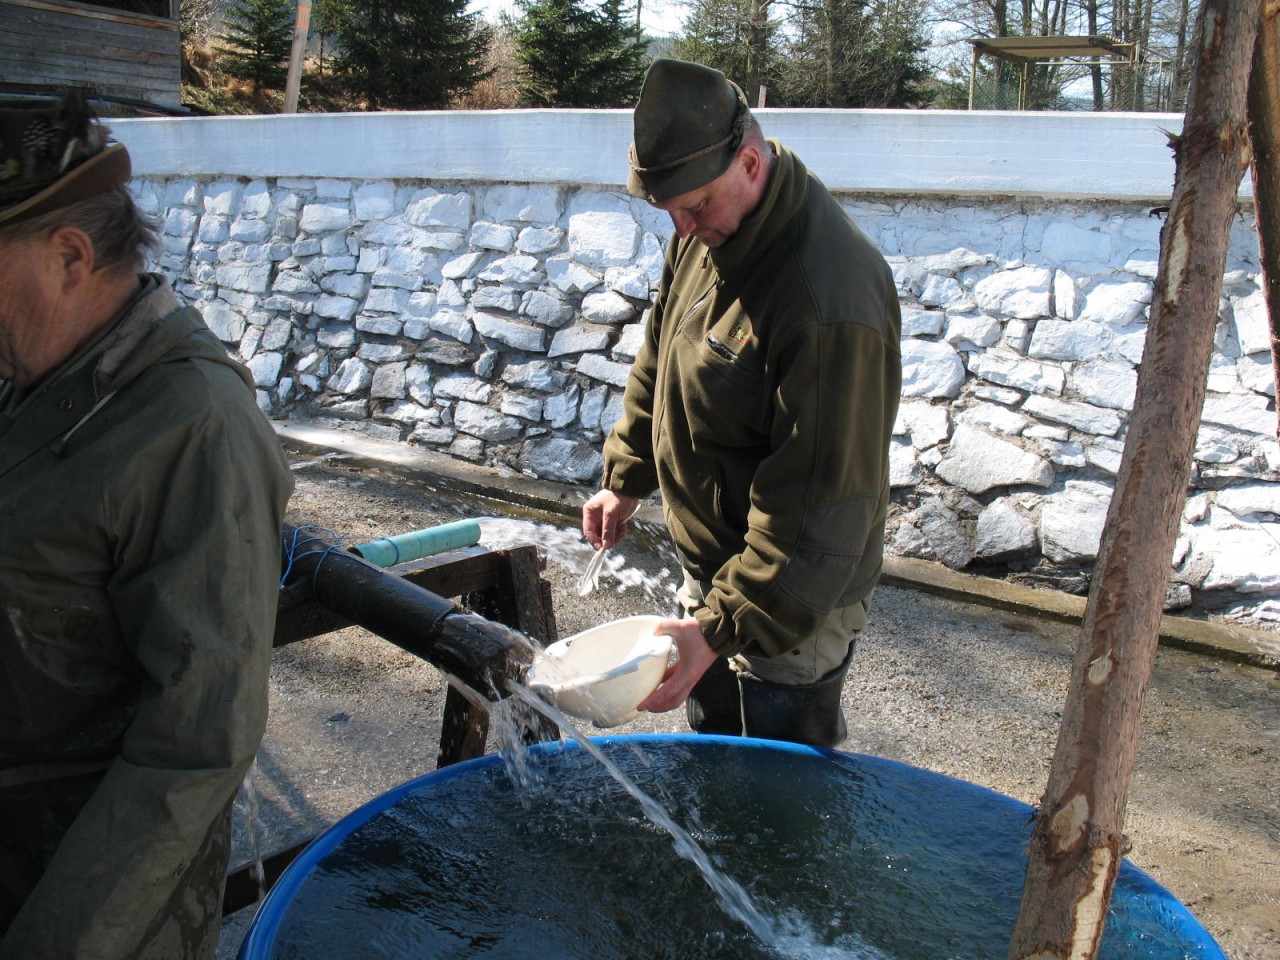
603, 674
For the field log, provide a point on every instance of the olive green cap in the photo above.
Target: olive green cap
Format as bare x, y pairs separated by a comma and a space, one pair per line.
689, 124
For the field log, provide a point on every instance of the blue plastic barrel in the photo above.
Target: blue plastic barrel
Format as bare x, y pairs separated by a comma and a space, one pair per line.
847, 856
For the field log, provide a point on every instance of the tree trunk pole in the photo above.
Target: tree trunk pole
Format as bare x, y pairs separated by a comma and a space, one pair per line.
297, 52
1264, 131
1078, 840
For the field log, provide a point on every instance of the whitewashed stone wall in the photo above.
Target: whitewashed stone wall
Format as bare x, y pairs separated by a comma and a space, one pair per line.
496, 322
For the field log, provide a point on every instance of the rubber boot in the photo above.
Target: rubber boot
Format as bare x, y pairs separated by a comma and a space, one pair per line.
714, 705
806, 713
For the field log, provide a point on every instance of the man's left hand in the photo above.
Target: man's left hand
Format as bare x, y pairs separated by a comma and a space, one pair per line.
696, 657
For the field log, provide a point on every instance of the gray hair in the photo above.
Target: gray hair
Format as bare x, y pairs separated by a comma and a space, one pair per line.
122, 235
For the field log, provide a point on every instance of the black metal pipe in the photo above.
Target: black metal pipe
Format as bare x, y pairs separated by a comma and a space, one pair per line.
477, 652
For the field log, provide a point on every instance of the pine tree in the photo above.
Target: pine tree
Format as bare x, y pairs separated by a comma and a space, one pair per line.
257, 42
410, 54
857, 53
719, 33
574, 55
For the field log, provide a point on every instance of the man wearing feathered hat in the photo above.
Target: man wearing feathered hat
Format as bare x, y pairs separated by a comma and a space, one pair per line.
761, 404
141, 492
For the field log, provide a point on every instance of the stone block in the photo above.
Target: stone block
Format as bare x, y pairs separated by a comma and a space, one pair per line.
1116, 303
904, 471
225, 322
607, 308
1071, 521
1004, 533
1014, 371
545, 309
1104, 383
526, 204
354, 285
431, 209
514, 333
921, 323
265, 368
602, 231
534, 240
931, 369
570, 277
325, 217
484, 423
598, 368
1022, 293
536, 375
496, 298
517, 268
561, 459
463, 265
1098, 421
463, 386
375, 200
492, 236
388, 382
577, 339
925, 423
977, 461
352, 376
562, 409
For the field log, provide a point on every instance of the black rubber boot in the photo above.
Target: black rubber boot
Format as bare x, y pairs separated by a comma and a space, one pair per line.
715, 706
806, 713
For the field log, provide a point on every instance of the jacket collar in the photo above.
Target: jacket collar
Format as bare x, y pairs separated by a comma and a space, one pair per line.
153, 327
783, 199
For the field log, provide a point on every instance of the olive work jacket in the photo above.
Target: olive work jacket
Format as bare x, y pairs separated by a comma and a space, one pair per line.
142, 493
761, 404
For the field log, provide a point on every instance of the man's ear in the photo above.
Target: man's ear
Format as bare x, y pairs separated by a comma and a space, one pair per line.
75, 255
753, 164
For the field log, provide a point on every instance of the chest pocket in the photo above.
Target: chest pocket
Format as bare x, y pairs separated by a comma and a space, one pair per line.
722, 376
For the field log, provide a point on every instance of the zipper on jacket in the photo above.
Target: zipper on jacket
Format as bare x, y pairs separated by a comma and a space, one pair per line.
689, 313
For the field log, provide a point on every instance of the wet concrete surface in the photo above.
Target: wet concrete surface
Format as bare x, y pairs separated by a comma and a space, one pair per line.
956, 688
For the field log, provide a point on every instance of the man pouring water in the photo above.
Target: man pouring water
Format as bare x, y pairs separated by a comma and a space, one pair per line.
761, 405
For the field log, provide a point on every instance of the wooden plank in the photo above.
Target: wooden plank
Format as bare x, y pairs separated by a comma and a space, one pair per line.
98, 13
83, 37
48, 63
53, 47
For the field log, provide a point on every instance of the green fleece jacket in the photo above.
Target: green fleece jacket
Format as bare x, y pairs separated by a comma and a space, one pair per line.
142, 493
762, 404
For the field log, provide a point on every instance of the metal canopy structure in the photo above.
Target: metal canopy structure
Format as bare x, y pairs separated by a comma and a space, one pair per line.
1047, 51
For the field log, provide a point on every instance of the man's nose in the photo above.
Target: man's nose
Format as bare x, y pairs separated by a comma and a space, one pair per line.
682, 222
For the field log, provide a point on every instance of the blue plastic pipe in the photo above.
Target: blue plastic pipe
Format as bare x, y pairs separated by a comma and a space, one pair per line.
388, 551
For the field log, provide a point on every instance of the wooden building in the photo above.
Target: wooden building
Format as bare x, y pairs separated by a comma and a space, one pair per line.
122, 50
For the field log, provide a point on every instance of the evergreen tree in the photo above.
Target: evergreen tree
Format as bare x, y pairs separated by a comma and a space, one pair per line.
857, 53
574, 55
720, 34
257, 42
410, 54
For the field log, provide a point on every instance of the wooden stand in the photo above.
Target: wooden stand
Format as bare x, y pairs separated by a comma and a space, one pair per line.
505, 586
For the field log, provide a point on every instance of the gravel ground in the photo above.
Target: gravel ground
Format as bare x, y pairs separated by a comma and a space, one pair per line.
959, 689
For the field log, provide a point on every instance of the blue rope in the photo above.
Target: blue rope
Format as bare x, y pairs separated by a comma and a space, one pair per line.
292, 548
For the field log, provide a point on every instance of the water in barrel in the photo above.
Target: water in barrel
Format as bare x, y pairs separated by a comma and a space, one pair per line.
843, 856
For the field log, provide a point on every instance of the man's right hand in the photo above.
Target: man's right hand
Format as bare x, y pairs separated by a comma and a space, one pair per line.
605, 516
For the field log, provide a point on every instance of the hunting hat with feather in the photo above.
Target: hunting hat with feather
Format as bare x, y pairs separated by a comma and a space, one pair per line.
53, 153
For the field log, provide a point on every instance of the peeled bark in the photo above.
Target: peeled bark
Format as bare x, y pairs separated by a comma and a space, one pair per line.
1078, 840
1264, 131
